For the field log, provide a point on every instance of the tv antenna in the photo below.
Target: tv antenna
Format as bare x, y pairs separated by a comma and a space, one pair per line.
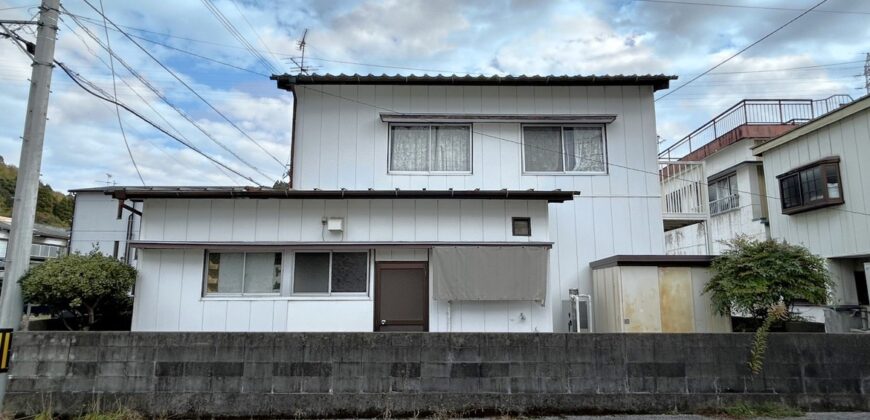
108, 181
301, 47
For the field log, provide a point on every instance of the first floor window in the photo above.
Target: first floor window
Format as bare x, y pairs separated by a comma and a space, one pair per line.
723, 194
430, 148
564, 149
243, 272
330, 272
812, 186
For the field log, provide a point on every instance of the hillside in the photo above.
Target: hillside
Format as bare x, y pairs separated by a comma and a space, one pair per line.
52, 207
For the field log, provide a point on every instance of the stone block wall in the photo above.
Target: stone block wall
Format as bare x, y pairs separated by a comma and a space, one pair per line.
373, 374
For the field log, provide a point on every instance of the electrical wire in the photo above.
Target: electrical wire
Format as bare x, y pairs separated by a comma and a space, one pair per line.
672, 91
166, 100
190, 88
149, 105
228, 25
521, 144
118, 108
90, 88
740, 6
81, 82
254, 30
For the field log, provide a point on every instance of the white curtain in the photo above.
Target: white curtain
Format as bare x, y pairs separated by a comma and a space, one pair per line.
542, 148
230, 271
451, 146
409, 148
584, 148
262, 272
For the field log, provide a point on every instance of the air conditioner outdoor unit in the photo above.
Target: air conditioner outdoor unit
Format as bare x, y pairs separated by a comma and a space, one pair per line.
580, 317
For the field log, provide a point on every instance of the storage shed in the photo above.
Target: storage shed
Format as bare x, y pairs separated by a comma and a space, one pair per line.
653, 293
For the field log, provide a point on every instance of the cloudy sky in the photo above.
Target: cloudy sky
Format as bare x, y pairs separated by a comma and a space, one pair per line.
819, 55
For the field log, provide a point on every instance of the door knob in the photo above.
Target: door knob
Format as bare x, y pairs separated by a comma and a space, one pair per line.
383, 322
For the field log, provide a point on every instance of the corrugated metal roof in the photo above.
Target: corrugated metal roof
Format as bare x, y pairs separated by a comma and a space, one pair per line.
139, 193
657, 81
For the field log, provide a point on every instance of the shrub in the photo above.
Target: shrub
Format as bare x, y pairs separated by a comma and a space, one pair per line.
754, 276
89, 286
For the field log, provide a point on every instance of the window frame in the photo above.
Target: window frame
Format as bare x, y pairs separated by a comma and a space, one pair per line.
390, 170
207, 294
826, 200
514, 220
564, 155
292, 273
734, 197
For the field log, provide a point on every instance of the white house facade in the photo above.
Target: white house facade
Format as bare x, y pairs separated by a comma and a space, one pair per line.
425, 203
104, 224
818, 194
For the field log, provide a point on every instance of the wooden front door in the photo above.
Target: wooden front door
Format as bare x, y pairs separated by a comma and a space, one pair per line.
401, 296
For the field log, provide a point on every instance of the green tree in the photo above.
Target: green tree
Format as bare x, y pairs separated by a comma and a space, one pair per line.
63, 209
90, 286
754, 276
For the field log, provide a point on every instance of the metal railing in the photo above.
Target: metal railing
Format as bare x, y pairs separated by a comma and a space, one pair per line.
724, 204
684, 189
754, 111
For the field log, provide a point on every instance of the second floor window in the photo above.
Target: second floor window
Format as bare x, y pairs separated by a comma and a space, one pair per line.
812, 186
430, 148
723, 194
564, 149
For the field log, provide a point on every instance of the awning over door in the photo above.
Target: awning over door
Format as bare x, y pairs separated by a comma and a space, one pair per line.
489, 273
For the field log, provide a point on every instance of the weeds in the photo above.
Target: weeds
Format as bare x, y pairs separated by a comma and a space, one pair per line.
746, 411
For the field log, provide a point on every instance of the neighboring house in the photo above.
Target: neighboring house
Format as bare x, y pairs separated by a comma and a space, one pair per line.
818, 194
48, 242
102, 223
715, 185
426, 203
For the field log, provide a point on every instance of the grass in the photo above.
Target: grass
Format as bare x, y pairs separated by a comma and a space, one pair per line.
746, 411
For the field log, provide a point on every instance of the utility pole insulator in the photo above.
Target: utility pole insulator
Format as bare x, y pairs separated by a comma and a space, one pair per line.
27, 184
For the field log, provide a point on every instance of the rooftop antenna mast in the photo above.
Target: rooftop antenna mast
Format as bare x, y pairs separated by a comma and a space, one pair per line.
301, 47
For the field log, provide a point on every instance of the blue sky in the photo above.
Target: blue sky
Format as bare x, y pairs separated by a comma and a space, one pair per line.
83, 142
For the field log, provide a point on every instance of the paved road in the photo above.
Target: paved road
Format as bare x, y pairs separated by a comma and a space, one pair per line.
808, 416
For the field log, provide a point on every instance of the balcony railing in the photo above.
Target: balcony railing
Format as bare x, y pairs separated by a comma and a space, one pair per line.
725, 204
684, 193
753, 112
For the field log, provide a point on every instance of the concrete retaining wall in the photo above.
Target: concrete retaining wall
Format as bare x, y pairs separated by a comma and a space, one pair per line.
370, 374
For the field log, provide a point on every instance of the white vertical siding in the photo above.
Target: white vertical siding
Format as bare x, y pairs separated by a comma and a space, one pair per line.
169, 288
617, 213
837, 231
96, 226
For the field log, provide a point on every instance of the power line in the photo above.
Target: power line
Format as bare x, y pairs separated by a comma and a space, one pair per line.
81, 82
521, 144
148, 104
191, 89
75, 77
819, 66
115, 96
739, 6
166, 100
228, 25
256, 33
739, 52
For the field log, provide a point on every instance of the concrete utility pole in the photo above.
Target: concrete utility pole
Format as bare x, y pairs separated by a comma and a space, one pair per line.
27, 184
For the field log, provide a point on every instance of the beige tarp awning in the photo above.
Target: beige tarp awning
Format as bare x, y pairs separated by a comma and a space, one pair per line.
490, 273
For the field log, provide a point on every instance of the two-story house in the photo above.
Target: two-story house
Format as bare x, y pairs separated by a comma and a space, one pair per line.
428, 203
818, 197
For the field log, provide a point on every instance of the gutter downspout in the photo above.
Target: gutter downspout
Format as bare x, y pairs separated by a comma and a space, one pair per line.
72, 227
292, 163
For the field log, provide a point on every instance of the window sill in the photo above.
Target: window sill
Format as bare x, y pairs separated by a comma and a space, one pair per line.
811, 207
416, 173
565, 173
284, 298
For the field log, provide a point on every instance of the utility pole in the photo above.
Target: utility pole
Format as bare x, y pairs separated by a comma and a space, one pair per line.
27, 184
867, 74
